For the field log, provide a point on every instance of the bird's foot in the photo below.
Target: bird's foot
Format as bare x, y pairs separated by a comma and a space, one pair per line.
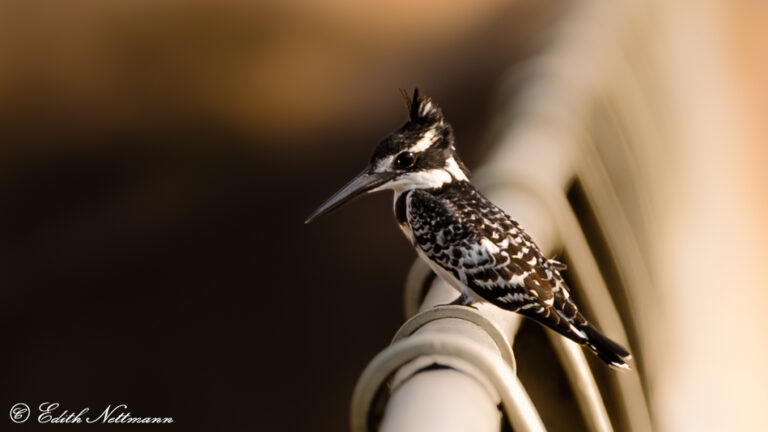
461, 300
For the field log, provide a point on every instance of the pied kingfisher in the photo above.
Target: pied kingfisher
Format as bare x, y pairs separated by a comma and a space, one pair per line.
466, 239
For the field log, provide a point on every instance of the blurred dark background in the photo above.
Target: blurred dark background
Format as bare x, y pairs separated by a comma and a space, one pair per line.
157, 161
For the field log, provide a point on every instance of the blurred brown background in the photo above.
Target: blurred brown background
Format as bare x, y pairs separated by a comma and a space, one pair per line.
157, 160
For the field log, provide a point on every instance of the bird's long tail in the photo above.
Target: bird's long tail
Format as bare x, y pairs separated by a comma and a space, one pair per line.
608, 350
578, 329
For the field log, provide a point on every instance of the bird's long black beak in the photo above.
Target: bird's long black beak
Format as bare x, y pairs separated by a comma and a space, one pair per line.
362, 183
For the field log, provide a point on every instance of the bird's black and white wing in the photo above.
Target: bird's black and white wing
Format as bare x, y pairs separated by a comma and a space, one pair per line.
485, 250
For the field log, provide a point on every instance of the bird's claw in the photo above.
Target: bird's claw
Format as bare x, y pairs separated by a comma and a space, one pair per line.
461, 300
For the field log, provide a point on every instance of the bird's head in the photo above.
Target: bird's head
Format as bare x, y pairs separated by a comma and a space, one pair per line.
421, 154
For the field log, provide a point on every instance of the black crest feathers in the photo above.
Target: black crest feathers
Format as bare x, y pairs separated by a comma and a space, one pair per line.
422, 109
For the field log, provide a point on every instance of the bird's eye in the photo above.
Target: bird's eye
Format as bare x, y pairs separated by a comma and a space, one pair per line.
404, 160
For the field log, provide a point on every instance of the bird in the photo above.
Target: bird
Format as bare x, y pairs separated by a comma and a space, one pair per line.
468, 241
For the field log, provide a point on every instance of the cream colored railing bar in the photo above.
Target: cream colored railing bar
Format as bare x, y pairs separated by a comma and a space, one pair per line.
517, 405
463, 313
582, 383
469, 343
